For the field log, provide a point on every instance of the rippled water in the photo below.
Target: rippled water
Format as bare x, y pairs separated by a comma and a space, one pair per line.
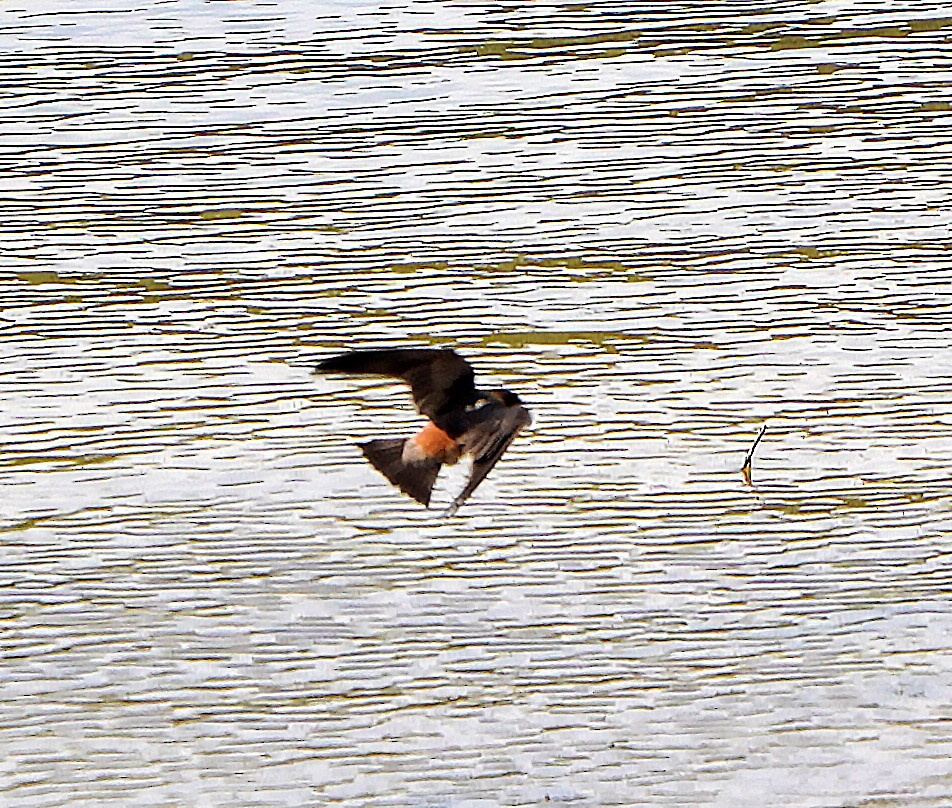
664, 226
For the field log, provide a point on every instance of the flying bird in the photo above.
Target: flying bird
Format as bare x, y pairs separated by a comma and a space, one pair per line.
462, 419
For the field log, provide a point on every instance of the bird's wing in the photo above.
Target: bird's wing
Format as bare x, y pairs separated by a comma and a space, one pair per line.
439, 378
488, 442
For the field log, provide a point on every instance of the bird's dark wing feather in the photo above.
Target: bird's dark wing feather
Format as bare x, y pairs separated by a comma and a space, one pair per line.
439, 378
481, 468
489, 442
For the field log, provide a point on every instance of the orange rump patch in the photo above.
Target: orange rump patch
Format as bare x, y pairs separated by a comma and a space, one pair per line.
434, 442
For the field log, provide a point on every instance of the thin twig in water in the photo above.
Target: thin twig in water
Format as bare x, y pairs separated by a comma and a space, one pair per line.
745, 469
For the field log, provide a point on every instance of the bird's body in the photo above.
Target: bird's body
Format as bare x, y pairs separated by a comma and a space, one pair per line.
463, 420
432, 442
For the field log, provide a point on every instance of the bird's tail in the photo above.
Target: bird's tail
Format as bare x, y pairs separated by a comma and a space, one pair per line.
415, 479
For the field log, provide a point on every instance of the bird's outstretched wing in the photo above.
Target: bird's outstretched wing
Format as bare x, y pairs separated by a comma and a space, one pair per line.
487, 442
439, 378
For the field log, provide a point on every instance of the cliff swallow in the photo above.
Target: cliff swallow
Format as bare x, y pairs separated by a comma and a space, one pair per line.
462, 419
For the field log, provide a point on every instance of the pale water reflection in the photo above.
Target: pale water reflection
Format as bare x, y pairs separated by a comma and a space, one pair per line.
663, 226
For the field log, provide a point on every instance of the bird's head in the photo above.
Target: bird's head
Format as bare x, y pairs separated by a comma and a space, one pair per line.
505, 397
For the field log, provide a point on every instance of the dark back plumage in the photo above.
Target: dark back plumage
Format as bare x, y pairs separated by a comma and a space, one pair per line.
440, 379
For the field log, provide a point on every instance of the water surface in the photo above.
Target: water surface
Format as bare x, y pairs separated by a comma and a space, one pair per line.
664, 226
